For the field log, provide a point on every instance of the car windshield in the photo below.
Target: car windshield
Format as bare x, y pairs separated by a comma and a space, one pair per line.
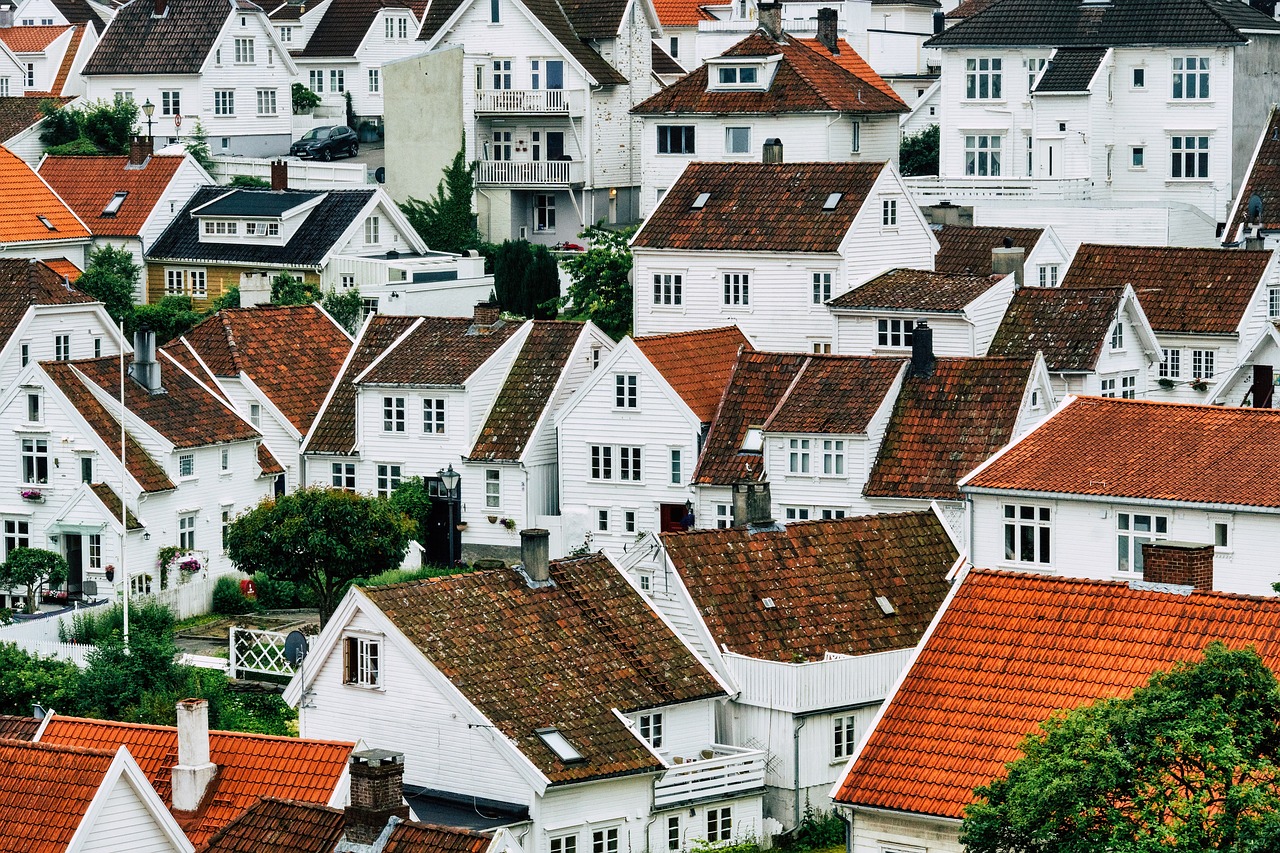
314, 133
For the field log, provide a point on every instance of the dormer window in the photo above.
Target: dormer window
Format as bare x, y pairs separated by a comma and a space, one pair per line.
113, 206
735, 75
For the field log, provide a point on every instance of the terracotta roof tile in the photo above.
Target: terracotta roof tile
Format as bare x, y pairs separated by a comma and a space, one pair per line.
823, 578
1011, 649
17, 113
281, 826
137, 42
1263, 180
696, 364
267, 464
111, 500
45, 792
681, 13
760, 207
505, 647
344, 26
249, 765
834, 394
1069, 325
1194, 291
945, 425
24, 283
850, 61
18, 728
64, 268
68, 61
27, 198
969, 8
916, 290
30, 39
413, 837
439, 351
967, 248
88, 184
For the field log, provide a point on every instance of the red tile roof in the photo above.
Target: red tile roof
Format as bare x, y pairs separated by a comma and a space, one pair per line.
1141, 449
17, 728
27, 198
30, 39
1263, 180
850, 61
439, 351
250, 766
413, 837
267, 464
17, 113
916, 290
760, 207
64, 268
111, 500
88, 184
505, 645
968, 8
823, 578
946, 424
1011, 649
1069, 325
967, 248
24, 283
696, 364
45, 792
68, 61
681, 13
1191, 291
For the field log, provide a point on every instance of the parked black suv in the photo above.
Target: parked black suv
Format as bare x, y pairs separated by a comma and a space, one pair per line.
325, 143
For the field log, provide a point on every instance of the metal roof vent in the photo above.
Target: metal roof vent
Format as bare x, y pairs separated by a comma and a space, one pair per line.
701, 201
832, 201
886, 606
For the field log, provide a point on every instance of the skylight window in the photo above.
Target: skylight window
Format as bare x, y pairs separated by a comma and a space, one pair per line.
560, 745
701, 201
886, 606
832, 201
753, 441
113, 206
44, 220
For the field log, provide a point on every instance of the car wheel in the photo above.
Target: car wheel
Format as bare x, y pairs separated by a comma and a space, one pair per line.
326, 155
355, 149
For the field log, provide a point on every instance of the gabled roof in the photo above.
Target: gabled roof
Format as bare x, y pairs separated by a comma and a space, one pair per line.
1262, 180
967, 248
45, 792
111, 500
439, 351
30, 39
808, 79
662, 62
916, 290
138, 42
344, 26
24, 283
969, 8
291, 353
18, 728
1138, 23
681, 13
1068, 324
288, 11
850, 61
760, 207
81, 12
1140, 449
314, 239
17, 113
822, 578
250, 766
88, 184
697, 365
68, 62
1070, 70
27, 198
1012, 648
563, 656
946, 423
1189, 291
527, 391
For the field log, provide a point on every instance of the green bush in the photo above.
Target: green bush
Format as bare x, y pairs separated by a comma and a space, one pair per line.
406, 575
93, 626
228, 599
817, 830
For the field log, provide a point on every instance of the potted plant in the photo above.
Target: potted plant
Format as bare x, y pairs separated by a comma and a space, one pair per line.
1200, 384
1165, 383
110, 572
33, 495
493, 519
460, 526
509, 523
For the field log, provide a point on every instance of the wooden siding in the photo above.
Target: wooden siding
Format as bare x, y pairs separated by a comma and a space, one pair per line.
126, 824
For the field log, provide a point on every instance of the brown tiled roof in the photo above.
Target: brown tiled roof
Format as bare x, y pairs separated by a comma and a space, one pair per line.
850, 61
916, 290
344, 25
17, 728
945, 425
967, 248
26, 199
267, 464
30, 39
24, 283
291, 353
562, 656
1069, 325
823, 578
807, 79
1010, 650
111, 500
662, 61
137, 42
68, 61
87, 184
834, 394
755, 207
527, 391
1263, 180
1141, 449
64, 268
45, 792
968, 8
696, 364
412, 837
1192, 291
17, 113
283, 826
439, 351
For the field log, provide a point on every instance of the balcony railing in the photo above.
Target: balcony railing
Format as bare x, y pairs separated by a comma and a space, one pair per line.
530, 173
719, 772
539, 101
932, 188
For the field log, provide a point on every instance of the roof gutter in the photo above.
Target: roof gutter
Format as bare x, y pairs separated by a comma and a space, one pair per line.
1109, 499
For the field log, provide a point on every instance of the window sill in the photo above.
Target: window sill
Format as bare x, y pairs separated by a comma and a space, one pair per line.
1187, 181
370, 688
1191, 102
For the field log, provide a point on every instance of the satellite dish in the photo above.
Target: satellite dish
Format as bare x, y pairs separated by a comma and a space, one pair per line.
295, 648
1255, 208
380, 174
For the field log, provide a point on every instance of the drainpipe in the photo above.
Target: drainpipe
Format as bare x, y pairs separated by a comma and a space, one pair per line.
795, 742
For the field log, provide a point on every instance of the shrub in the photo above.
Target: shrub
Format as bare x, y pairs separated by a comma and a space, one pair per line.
817, 830
93, 626
407, 575
228, 599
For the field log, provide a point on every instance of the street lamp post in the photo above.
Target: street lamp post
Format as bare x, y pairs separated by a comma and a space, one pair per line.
149, 109
449, 478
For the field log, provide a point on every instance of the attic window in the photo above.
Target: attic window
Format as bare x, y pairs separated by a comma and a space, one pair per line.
560, 745
753, 441
701, 201
832, 201
886, 606
113, 206
44, 220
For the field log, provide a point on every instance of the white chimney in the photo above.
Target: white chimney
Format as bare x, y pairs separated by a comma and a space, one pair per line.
194, 771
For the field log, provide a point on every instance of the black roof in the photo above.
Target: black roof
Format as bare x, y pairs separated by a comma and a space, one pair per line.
80, 12
1073, 23
246, 202
324, 225
138, 42
1071, 70
444, 808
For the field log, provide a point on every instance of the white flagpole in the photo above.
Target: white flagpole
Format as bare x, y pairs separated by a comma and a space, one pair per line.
124, 503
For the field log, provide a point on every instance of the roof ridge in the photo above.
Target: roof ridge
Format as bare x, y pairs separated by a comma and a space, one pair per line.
787, 393
159, 728
58, 747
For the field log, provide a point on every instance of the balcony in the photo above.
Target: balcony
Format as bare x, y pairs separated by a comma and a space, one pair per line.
930, 189
717, 773
531, 101
530, 174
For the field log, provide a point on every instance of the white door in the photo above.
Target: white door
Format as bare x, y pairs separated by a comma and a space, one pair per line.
1050, 158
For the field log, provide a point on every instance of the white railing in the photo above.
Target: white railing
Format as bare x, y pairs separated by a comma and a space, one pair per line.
931, 187
257, 651
799, 688
725, 771
303, 174
563, 101
538, 173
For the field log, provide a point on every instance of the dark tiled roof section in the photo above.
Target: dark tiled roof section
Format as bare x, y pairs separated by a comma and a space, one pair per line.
344, 26
335, 428
916, 290
286, 826
149, 474
1191, 291
562, 656
823, 578
1263, 181
81, 12
1071, 70
696, 364
945, 425
527, 391
439, 351
17, 113
662, 61
834, 394
1067, 324
111, 500
254, 202
287, 12
595, 19
18, 728
413, 837
45, 792
24, 283
755, 207
137, 42
292, 353
324, 225
967, 248
759, 380
969, 8
1070, 23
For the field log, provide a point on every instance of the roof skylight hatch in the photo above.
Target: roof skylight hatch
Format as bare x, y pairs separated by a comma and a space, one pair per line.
832, 201
44, 220
753, 441
701, 201
886, 606
113, 206
560, 745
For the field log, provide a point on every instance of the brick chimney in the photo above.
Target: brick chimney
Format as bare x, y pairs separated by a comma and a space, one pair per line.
1008, 259
279, 175
140, 149
771, 18
377, 782
1178, 563
829, 29
535, 555
922, 360
486, 314
194, 771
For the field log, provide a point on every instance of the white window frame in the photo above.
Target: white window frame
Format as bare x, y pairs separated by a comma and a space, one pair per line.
373, 231
1170, 363
719, 824
393, 414
362, 661
844, 736
375, 81
668, 289
244, 51
734, 137
799, 456
224, 102
1190, 156
983, 78
1016, 520
187, 531
433, 415
724, 516
267, 102
1190, 78
1202, 364
343, 475
1117, 336
833, 457
889, 213
1222, 533
390, 475
680, 140
186, 466
35, 460
737, 289
894, 333
1129, 538
61, 347
983, 153
492, 488
650, 727
676, 470
821, 286
626, 391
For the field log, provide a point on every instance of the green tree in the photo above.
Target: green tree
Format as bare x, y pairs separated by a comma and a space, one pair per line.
287, 290
1188, 763
170, 317
230, 298
304, 100
918, 153
111, 277
601, 288
542, 284
250, 182
60, 126
97, 127
411, 499
511, 259
320, 538
198, 147
33, 568
446, 221
26, 680
347, 308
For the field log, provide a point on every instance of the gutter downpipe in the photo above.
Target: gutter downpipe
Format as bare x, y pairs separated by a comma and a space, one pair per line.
795, 742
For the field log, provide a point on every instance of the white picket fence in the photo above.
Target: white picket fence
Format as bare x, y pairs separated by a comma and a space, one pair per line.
193, 598
40, 637
303, 174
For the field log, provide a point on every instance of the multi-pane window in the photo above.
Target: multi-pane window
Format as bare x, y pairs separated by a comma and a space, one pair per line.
724, 516
266, 102
821, 288
501, 145
226, 459
35, 460
433, 415
737, 288
396, 28
393, 414
673, 821
140, 585
982, 78
362, 664
244, 50
388, 479
602, 520
187, 531
544, 212
651, 729
1171, 364
677, 462
1129, 387
1108, 388
226, 527
894, 333
224, 102
828, 514
62, 347
95, 551
337, 80
564, 844
317, 80
492, 488
1117, 336
1189, 157
1202, 363
605, 840
199, 284
982, 155
625, 391
1049, 275
844, 737
1273, 302
175, 282
255, 414
1027, 533
373, 230
1034, 66
833, 457
720, 824
855, 144
629, 464
344, 475
186, 465
170, 103
668, 288
17, 534
796, 513
629, 521
4, 87
601, 462
798, 455
675, 139
375, 80
1190, 77
737, 140
286, 34
501, 73
736, 75
889, 212
1133, 529
33, 408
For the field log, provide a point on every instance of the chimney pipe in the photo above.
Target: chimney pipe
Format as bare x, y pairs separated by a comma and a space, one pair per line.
145, 370
486, 314
752, 503
1009, 259
279, 175
829, 30
771, 18
535, 554
160, 8
6, 15
194, 770
922, 360
1178, 563
377, 783
771, 151
939, 22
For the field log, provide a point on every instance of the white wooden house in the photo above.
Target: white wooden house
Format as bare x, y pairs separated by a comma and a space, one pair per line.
48, 58
1251, 380
766, 245
31, 13
496, 687
974, 249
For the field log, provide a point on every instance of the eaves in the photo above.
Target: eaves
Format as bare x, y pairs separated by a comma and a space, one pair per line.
1168, 503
